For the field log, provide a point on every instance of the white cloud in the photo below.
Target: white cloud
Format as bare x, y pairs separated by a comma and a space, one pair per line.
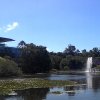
10, 27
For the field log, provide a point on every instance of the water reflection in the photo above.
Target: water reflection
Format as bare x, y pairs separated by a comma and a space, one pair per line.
72, 90
93, 81
34, 94
96, 83
89, 79
90, 88
28, 94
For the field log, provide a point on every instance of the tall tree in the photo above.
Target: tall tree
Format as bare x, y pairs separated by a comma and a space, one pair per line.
21, 44
95, 52
84, 53
70, 50
34, 59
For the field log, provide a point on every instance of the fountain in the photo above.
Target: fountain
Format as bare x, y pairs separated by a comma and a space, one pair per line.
89, 64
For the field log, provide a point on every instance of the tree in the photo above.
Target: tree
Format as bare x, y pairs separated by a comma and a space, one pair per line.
77, 52
72, 63
34, 59
21, 44
55, 61
64, 64
84, 52
75, 64
95, 52
9, 68
70, 50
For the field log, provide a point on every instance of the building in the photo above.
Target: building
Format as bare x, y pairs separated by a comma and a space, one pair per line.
8, 51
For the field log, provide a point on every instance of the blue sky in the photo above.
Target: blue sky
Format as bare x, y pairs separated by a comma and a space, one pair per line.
51, 23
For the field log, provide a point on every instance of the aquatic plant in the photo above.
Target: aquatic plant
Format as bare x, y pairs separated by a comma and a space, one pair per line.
7, 86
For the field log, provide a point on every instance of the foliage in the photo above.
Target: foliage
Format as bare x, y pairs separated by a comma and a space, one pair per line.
84, 53
95, 52
63, 63
72, 63
34, 59
55, 61
70, 50
98, 67
21, 44
75, 64
8, 68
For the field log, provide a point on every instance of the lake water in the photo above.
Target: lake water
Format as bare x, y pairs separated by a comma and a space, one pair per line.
88, 90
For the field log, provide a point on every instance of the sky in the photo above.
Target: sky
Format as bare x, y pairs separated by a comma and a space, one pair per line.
51, 23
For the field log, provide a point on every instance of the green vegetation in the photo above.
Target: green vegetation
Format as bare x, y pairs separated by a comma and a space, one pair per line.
72, 63
55, 61
32, 59
8, 68
7, 87
97, 67
56, 92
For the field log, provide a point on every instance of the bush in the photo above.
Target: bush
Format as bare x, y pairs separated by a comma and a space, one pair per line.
98, 67
72, 63
66, 68
8, 68
75, 64
63, 63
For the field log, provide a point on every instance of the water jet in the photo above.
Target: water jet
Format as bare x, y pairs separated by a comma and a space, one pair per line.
89, 64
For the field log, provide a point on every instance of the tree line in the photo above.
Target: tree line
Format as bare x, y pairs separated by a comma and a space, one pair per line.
36, 59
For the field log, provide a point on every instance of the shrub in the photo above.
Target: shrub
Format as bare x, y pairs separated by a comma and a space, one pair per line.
72, 63
8, 68
98, 67
63, 63
66, 68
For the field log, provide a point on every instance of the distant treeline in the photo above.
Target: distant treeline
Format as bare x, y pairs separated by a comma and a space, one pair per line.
36, 59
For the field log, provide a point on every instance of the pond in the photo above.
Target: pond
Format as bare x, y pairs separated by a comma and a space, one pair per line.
89, 90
